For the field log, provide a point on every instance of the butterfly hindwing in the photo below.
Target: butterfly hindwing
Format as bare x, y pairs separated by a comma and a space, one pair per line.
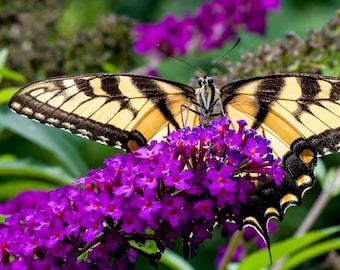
270, 200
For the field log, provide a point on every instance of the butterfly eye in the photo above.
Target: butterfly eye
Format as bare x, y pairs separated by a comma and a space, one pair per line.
210, 81
200, 81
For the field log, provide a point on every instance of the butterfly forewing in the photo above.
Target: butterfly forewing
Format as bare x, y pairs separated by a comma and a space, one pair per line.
107, 107
284, 108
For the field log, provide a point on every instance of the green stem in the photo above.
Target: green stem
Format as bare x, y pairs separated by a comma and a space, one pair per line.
228, 255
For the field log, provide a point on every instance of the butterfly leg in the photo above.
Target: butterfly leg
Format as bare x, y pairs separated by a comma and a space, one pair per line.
187, 109
221, 106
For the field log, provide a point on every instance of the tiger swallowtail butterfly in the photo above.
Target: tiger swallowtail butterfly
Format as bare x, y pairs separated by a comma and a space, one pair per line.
298, 113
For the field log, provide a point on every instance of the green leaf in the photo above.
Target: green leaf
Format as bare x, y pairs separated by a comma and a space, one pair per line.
7, 157
25, 168
3, 56
109, 67
47, 138
174, 261
6, 73
2, 218
321, 170
311, 252
11, 189
169, 258
331, 182
21, 175
6, 94
260, 259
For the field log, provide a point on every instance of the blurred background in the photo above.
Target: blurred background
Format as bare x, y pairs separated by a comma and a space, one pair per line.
46, 38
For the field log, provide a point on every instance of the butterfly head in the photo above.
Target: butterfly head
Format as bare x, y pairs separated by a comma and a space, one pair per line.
205, 81
206, 93
207, 97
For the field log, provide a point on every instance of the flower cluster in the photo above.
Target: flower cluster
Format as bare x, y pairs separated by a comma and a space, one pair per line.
179, 188
213, 24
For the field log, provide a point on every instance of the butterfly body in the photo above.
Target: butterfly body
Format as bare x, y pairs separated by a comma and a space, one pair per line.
299, 114
208, 101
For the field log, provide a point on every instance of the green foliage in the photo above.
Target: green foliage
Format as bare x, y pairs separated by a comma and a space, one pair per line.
62, 149
76, 16
70, 37
44, 44
293, 54
41, 156
25, 174
313, 244
7, 74
6, 94
170, 259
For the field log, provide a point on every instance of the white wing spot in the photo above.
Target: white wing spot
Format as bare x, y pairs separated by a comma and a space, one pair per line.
84, 132
27, 110
68, 125
39, 116
16, 105
53, 121
103, 139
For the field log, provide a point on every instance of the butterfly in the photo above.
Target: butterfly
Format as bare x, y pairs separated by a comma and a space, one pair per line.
298, 113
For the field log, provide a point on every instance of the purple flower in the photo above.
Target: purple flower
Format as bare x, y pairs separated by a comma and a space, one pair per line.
171, 34
237, 256
204, 209
213, 24
92, 224
179, 188
130, 221
24, 200
255, 148
177, 178
149, 204
173, 210
222, 186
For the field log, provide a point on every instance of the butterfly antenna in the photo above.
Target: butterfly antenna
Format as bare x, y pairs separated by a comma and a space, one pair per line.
181, 60
219, 59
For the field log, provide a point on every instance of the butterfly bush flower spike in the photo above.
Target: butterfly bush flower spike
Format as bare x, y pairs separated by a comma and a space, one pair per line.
179, 188
214, 23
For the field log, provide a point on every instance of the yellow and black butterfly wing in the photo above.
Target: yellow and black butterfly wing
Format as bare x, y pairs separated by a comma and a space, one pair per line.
118, 110
300, 115
286, 107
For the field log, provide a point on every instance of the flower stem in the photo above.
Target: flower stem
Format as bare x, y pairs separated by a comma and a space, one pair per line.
227, 257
